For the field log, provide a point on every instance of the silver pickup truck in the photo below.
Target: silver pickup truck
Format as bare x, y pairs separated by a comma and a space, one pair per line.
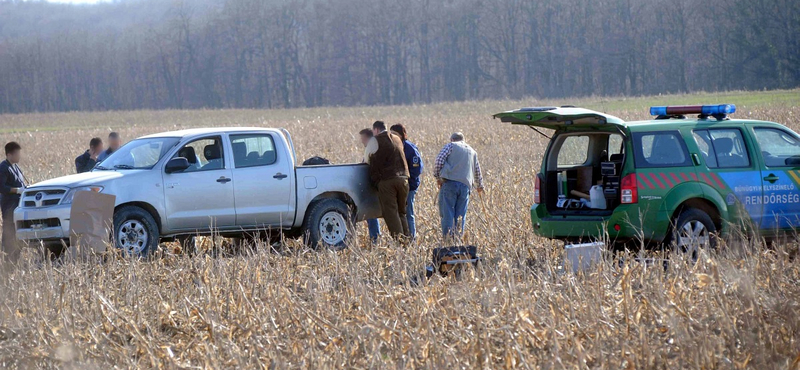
227, 181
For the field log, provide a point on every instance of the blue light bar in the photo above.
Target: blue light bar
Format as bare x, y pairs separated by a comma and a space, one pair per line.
658, 111
713, 110
708, 110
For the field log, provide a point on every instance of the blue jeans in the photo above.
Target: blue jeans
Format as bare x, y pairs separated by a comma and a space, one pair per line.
374, 228
453, 201
412, 221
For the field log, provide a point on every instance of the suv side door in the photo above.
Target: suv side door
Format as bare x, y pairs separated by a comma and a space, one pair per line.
264, 181
779, 151
732, 170
200, 197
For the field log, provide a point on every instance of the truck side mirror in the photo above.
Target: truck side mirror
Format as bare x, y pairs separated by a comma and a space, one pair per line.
176, 164
792, 161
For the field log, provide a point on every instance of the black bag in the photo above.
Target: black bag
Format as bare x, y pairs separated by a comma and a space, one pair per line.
315, 161
448, 260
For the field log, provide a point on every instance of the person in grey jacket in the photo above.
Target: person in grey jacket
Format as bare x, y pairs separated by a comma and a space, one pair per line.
457, 171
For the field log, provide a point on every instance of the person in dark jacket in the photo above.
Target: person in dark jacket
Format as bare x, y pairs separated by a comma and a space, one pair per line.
86, 161
12, 184
389, 172
414, 162
114, 142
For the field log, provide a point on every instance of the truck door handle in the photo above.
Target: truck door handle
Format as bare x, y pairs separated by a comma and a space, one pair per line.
771, 178
280, 176
696, 159
223, 180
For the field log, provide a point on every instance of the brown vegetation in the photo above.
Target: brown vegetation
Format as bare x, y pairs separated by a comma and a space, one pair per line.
358, 309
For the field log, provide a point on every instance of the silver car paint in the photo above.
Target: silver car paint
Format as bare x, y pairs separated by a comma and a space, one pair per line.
185, 205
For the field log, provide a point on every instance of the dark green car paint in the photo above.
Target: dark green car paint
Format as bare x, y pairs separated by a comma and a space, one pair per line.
694, 185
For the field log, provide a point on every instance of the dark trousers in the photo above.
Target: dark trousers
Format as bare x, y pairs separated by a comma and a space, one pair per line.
11, 247
392, 195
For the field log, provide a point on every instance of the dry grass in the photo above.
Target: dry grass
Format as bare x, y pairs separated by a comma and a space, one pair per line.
357, 309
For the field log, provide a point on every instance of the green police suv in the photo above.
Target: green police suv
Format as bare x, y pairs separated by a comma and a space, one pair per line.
673, 179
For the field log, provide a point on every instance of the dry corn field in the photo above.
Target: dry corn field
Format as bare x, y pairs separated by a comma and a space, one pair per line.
358, 308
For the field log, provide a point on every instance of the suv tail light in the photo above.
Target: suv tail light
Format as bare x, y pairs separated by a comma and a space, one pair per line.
537, 190
629, 189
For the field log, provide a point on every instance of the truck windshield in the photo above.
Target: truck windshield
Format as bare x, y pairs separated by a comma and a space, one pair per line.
138, 154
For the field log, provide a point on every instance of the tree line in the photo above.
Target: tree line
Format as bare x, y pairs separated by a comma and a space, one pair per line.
154, 54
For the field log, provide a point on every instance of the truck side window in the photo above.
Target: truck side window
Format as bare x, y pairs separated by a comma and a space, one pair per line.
203, 154
251, 150
574, 151
722, 148
704, 144
660, 149
778, 147
614, 144
729, 148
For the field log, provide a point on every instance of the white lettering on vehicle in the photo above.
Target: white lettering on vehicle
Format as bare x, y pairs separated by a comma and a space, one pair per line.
772, 198
752, 188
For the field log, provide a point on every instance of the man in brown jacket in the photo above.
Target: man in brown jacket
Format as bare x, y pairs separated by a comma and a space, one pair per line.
389, 171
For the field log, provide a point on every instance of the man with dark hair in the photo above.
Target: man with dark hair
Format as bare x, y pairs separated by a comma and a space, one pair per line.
12, 184
86, 161
414, 162
389, 172
373, 226
114, 142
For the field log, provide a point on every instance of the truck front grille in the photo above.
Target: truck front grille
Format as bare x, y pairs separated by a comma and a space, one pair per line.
38, 198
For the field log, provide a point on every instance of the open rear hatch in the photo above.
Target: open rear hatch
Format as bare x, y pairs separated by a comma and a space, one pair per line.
594, 148
558, 118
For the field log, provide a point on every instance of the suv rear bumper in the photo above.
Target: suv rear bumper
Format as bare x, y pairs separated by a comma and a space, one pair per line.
618, 226
50, 224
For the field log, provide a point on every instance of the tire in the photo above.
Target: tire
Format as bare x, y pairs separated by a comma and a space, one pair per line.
692, 230
329, 224
135, 232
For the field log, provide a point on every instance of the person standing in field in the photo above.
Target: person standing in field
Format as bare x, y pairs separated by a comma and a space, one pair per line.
373, 226
414, 162
457, 171
114, 142
86, 161
12, 184
389, 171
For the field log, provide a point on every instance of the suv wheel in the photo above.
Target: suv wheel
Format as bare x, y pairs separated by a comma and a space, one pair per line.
329, 223
692, 231
135, 231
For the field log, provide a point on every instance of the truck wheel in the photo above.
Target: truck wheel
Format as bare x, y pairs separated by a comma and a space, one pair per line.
693, 230
135, 231
329, 223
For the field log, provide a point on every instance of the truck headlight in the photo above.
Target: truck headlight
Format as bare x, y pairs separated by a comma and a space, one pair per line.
71, 193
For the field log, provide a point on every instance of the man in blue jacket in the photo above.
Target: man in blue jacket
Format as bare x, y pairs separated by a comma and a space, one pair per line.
414, 160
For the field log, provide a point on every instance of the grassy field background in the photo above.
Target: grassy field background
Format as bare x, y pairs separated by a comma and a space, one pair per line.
736, 308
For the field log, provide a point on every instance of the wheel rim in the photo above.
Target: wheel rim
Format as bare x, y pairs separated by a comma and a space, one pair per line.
332, 228
692, 236
132, 237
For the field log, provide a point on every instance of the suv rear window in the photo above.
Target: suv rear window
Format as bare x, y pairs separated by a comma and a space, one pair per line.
660, 149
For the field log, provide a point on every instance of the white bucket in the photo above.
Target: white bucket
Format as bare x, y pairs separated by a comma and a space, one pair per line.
597, 197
